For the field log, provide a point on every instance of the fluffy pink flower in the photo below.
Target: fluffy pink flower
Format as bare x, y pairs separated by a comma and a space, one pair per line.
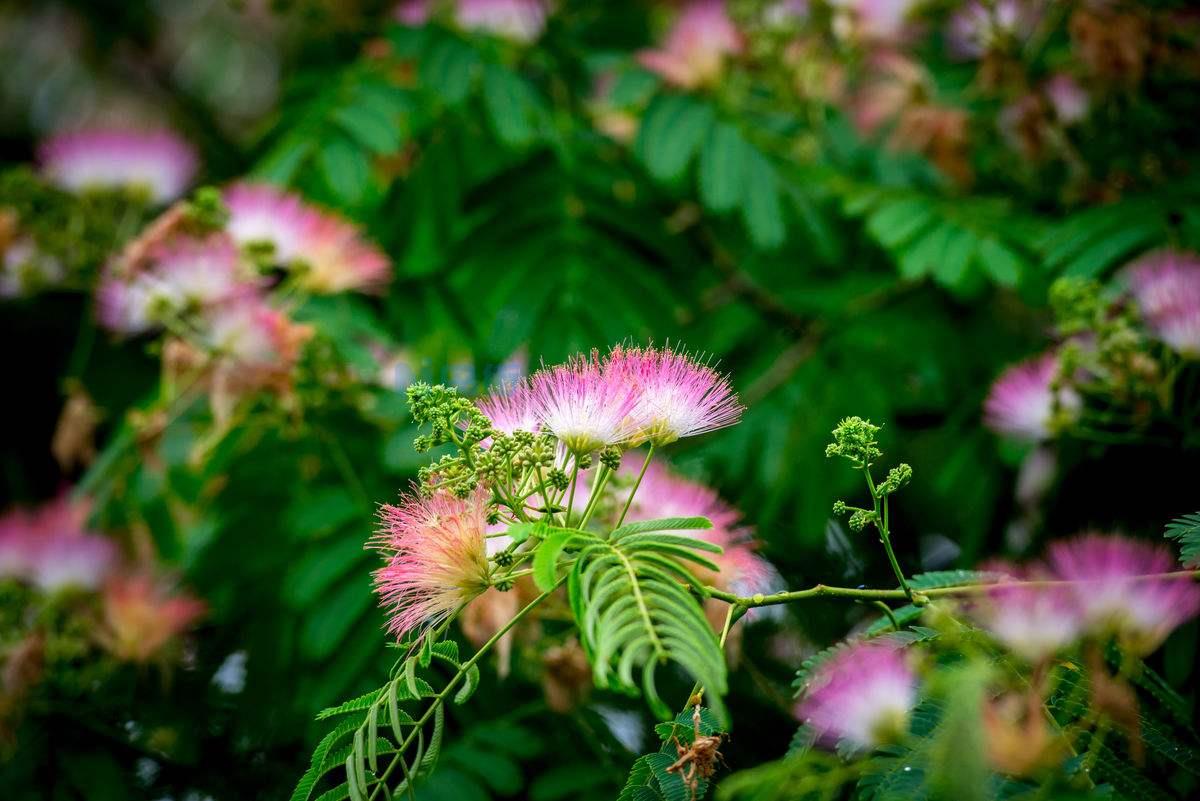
861, 697
183, 276
142, 615
585, 406
331, 252
1166, 286
1034, 622
1105, 569
662, 493
158, 162
518, 20
1022, 404
511, 409
696, 47
437, 558
675, 395
50, 548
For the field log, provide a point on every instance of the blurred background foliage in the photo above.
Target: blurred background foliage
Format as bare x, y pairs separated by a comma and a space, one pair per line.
541, 195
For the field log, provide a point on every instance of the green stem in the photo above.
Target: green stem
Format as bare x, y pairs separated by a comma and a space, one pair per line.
571, 497
440, 698
636, 484
594, 500
824, 591
885, 536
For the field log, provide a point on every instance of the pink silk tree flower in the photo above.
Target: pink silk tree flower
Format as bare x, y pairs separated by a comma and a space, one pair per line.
436, 558
675, 395
696, 47
1106, 570
861, 697
1023, 404
511, 409
978, 28
585, 406
50, 548
157, 162
25, 269
183, 276
255, 344
1166, 287
142, 616
517, 20
330, 254
1069, 100
413, 13
1034, 622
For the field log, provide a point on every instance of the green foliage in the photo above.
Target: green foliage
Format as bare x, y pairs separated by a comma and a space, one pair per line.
1186, 531
651, 778
629, 597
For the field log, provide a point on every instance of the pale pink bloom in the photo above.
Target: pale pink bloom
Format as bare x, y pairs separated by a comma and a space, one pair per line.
519, 20
51, 549
511, 409
142, 615
1034, 622
1112, 597
696, 47
1036, 476
182, 276
675, 395
1069, 100
875, 20
1022, 403
585, 406
861, 697
977, 27
664, 494
1166, 286
25, 269
252, 336
436, 558
331, 253
158, 162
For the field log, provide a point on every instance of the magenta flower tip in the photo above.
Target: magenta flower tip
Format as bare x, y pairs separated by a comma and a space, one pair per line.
1166, 287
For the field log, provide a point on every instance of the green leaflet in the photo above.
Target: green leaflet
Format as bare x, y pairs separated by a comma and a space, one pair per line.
629, 598
1186, 531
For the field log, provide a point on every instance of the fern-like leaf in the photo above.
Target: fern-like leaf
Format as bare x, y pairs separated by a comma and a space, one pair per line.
1186, 531
630, 600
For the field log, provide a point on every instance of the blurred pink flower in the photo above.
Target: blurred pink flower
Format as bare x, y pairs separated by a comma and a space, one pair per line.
676, 395
1111, 596
141, 616
861, 697
582, 404
413, 13
437, 558
25, 269
662, 494
1022, 404
1069, 100
158, 162
1166, 286
1035, 622
50, 548
181, 276
253, 340
695, 49
519, 20
329, 252
978, 27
